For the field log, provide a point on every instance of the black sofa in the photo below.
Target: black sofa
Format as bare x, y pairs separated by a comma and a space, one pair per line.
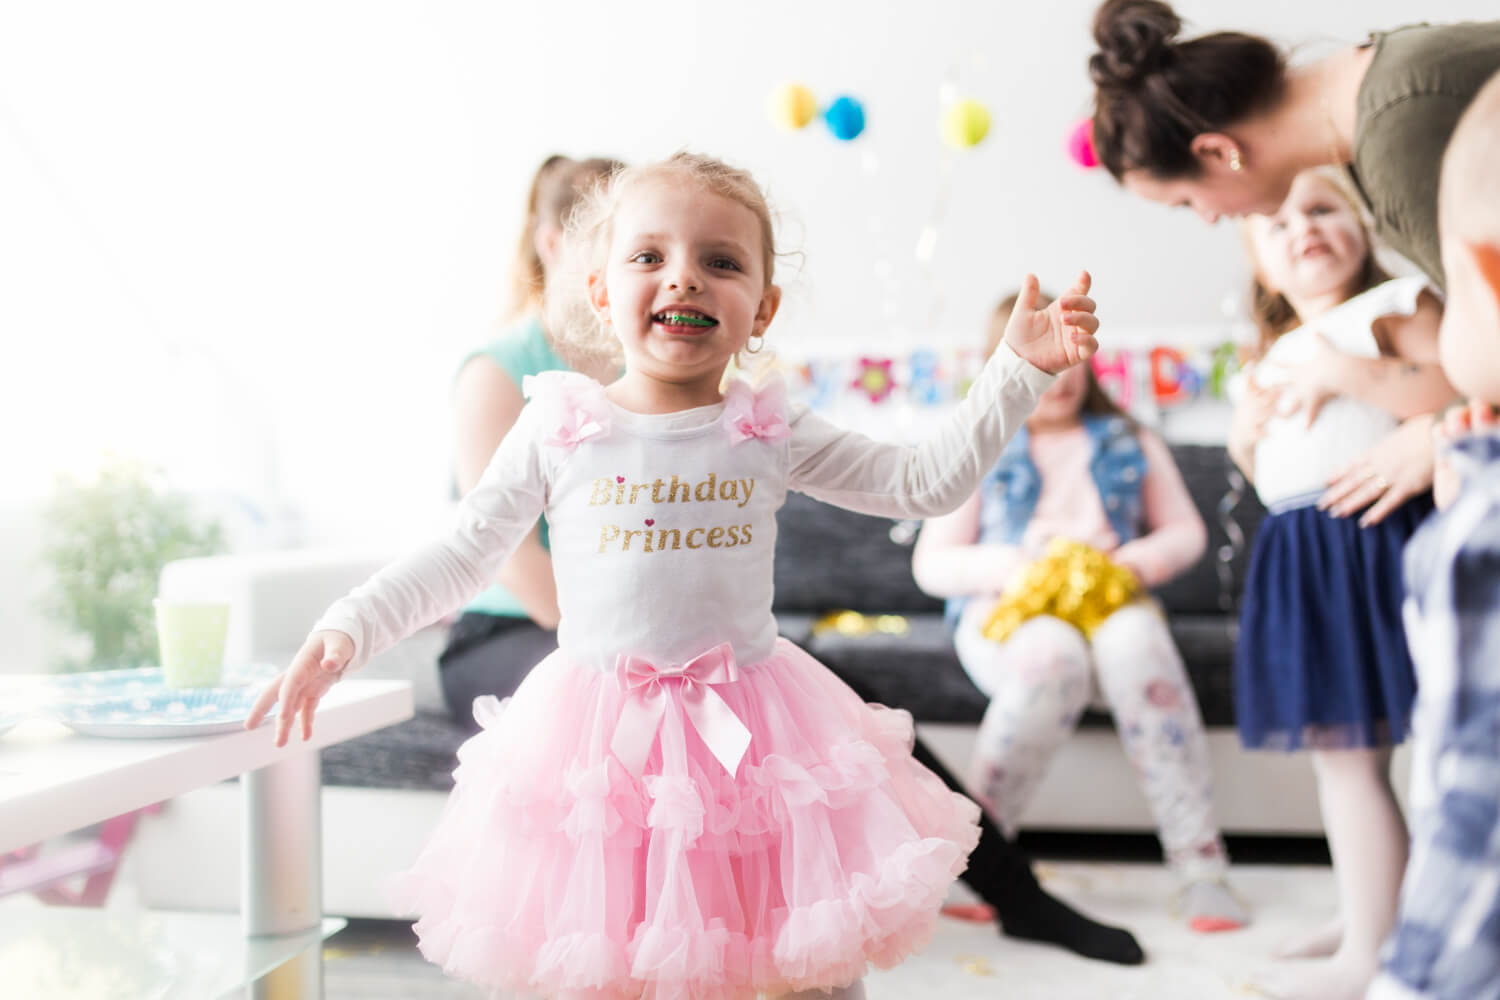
829, 559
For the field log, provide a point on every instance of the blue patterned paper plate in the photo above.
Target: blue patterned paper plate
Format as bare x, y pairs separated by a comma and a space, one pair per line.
135, 704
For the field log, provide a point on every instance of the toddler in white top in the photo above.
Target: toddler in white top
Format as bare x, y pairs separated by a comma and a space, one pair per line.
1321, 661
1305, 446
677, 803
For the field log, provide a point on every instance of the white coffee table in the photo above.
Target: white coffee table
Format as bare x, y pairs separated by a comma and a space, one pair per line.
53, 780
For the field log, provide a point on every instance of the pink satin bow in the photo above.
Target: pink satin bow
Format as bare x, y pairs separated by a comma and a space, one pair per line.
576, 407
575, 426
647, 688
751, 414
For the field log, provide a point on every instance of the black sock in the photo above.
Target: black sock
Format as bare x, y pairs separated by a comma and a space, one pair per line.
1032, 914
1001, 874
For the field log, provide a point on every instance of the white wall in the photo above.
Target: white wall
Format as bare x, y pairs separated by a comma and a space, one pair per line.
250, 242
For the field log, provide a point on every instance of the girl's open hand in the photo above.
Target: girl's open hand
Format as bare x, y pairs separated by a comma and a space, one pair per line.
1463, 419
1059, 336
1460, 421
318, 664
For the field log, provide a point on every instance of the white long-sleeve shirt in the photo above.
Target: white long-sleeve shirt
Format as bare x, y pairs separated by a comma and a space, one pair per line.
663, 526
1293, 462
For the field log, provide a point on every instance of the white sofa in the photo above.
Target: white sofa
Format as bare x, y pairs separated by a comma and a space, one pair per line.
370, 833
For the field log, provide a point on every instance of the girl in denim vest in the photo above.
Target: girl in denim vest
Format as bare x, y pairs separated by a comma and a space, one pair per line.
1082, 470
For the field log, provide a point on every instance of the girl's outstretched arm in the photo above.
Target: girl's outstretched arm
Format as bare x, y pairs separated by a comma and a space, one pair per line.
422, 586
487, 403
934, 477
848, 469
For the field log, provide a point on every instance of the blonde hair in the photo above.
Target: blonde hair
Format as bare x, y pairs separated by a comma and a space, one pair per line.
555, 189
1469, 188
1271, 311
586, 237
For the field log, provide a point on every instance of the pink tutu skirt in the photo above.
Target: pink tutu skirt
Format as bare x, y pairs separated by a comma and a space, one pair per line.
554, 868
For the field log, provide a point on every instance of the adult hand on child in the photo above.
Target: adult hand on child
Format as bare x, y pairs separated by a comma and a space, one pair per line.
1059, 336
1396, 469
318, 664
1459, 421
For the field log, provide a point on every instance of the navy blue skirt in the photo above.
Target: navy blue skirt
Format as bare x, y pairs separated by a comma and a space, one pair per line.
1322, 661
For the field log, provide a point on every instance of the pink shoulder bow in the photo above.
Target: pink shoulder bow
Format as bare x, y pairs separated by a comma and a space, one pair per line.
761, 414
576, 409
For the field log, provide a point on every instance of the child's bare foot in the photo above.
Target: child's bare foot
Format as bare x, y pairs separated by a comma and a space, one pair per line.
1341, 977
1319, 943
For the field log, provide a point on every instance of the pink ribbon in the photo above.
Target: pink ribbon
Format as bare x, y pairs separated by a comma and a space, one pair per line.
577, 409
647, 688
750, 414
576, 427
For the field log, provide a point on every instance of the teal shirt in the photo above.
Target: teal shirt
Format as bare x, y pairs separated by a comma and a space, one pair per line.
522, 350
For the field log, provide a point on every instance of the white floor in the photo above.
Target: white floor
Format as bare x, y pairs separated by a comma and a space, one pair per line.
377, 960
969, 961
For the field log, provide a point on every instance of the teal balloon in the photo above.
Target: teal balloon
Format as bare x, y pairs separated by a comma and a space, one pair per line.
845, 118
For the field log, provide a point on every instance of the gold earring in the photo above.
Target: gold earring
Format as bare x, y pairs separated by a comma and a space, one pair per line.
759, 342
1234, 160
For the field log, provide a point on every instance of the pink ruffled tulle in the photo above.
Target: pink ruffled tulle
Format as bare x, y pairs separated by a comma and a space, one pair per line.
553, 868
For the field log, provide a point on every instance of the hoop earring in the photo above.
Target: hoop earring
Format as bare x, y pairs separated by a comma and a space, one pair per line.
759, 342
1234, 160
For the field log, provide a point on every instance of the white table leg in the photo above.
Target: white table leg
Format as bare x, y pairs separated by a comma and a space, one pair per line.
282, 872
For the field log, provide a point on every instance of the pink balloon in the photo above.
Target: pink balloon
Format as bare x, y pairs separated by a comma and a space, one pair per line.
1081, 144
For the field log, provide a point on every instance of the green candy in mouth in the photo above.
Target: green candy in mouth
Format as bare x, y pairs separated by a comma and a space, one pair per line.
685, 319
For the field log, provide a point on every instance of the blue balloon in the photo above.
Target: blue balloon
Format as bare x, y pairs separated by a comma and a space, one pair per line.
845, 118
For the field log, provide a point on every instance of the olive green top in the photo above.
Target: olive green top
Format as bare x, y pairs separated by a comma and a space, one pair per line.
1418, 84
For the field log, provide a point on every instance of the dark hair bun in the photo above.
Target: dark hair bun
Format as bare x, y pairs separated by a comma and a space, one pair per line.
1135, 39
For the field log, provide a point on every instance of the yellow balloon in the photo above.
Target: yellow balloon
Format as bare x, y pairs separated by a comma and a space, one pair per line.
965, 123
792, 106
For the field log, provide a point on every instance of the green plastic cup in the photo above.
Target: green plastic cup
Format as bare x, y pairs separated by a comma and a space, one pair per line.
191, 636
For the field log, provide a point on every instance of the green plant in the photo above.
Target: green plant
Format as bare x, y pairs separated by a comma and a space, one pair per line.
105, 543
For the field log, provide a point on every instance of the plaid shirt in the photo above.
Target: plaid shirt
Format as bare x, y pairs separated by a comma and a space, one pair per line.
1446, 943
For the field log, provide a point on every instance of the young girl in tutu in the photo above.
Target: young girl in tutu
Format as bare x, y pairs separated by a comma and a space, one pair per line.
1083, 471
1322, 660
678, 803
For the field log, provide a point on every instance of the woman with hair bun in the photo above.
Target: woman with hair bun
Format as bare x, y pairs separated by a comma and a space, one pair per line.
1222, 123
